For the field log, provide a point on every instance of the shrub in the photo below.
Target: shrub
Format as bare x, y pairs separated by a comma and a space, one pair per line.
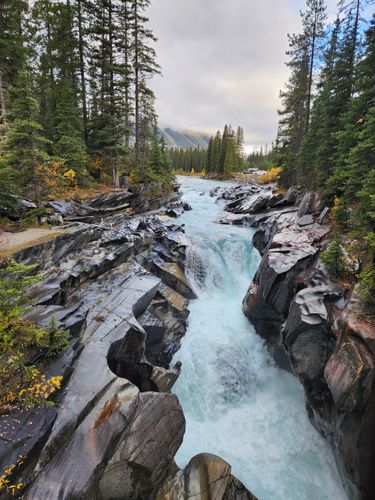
334, 259
6, 482
367, 284
270, 176
340, 212
21, 383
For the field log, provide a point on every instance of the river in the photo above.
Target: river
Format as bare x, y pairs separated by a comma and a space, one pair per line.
237, 403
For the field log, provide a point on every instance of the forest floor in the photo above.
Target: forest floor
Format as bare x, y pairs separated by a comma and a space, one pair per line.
11, 243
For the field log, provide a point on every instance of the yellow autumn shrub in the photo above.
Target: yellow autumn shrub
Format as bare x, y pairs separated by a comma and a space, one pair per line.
270, 176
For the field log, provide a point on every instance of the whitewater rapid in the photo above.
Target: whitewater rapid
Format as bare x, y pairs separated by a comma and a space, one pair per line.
237, 403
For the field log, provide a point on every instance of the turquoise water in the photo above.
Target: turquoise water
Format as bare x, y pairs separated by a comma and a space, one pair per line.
237, 404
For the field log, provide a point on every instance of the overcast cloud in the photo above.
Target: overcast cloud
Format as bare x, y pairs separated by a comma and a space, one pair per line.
223, 62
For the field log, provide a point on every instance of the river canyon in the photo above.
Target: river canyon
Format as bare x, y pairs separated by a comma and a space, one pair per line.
236, 402
202, 352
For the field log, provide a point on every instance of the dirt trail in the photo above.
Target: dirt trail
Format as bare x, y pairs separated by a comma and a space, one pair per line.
14, 242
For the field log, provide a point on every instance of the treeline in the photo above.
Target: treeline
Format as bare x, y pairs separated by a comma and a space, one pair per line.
187, 160
326, 136
75, 102
225, 153
261, 158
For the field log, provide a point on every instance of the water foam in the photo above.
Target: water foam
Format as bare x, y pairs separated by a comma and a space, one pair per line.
237, 403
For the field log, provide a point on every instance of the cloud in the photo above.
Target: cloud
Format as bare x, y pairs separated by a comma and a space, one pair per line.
223, 62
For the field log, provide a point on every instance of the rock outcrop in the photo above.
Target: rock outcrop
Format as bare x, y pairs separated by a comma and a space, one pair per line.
289, 255
117, 284
312, 326
101, 282
206, 476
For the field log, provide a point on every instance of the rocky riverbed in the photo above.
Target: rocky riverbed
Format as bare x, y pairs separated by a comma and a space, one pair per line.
312, 326
115, 278
117, 284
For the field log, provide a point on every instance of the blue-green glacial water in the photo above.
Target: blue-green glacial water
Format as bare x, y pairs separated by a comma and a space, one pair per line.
237, 403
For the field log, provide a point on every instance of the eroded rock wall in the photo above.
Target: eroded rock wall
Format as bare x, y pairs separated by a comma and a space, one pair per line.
117, 283
312, 326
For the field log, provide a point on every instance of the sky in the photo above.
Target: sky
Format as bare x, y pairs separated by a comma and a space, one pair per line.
223, 62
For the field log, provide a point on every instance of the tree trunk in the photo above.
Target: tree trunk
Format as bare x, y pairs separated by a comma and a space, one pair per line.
4, 120
116, 177
355, 38
3, 110
312, 57
136, 79
82, 71
126, 78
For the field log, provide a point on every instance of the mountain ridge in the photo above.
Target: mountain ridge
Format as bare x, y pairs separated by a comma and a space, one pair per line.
184, 139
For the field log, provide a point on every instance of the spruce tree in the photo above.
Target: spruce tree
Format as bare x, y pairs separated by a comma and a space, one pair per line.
105, 128
349, 7
8, 186
223, 149
216, 152
80, 14
210, 156
315, 158
355, 118
13, 54
126, 69
70, 146
231, 158
159, 161
292, 124
313, 25
25, 147
240, 144
145, 66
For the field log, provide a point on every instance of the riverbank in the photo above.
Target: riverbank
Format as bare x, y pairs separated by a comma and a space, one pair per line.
321, 330
11, 243
236, 402
124, 286
115, 281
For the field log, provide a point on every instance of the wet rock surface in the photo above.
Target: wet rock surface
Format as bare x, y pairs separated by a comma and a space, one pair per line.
100, 281
312, 326
206, 476
116, 282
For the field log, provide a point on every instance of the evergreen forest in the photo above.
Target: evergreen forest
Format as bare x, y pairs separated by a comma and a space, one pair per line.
76, 107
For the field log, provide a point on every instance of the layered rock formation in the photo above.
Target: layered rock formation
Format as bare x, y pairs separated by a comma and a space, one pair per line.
206, 476
311, 325
117, 284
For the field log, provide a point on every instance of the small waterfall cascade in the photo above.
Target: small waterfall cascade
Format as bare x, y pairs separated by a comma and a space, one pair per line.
237, 403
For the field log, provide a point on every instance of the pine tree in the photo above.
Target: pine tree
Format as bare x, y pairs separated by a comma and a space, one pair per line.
69, 146
355, 118
231, 158
315, 158
240, 144
210, 156
25, 147
313, 25
216, 152
292, 124
145, 66
12, 55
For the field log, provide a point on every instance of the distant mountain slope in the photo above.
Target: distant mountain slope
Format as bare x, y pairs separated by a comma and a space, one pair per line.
184, 139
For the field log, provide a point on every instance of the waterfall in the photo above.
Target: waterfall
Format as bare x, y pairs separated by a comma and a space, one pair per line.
237, 403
